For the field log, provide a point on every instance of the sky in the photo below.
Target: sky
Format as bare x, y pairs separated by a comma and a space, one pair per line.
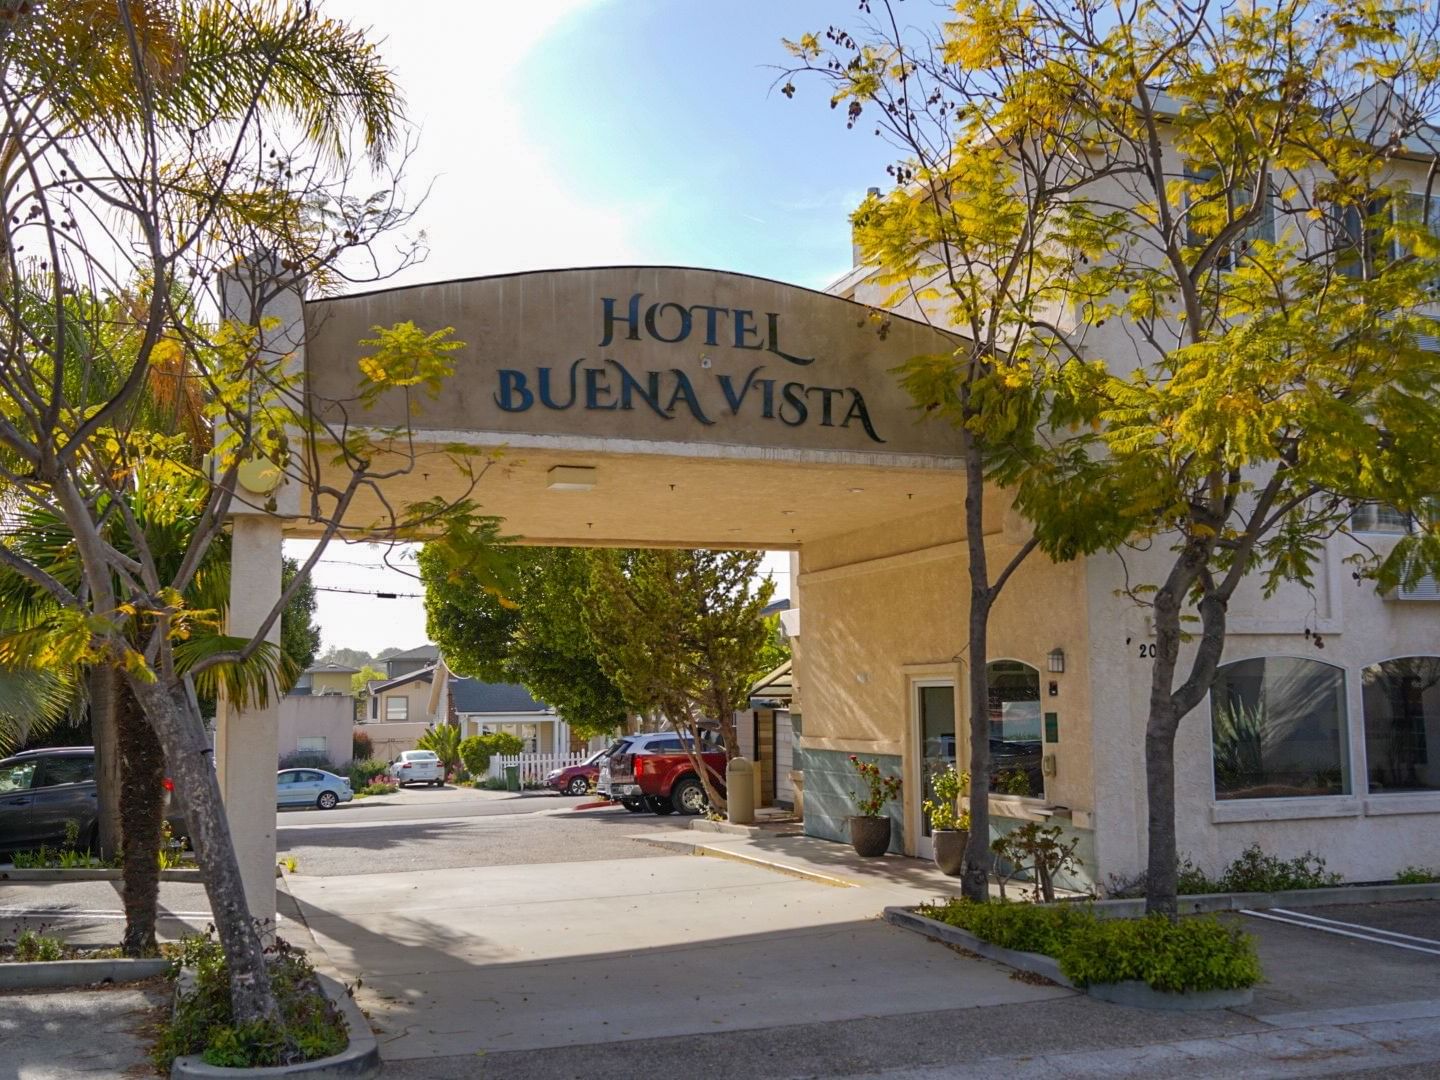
558, 133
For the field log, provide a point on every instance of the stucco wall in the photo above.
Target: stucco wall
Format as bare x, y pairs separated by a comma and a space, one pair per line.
875, 621
418, 695
330, 718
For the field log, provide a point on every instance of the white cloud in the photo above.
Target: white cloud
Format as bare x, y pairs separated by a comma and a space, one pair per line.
496, 204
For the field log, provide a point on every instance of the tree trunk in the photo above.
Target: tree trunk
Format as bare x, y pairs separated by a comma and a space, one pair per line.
173, 712
142, 811
975, 877
104, 681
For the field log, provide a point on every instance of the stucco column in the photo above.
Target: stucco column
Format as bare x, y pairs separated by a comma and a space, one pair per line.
247, 741
258, 294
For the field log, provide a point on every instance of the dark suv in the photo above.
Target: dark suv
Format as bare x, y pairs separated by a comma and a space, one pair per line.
40, 790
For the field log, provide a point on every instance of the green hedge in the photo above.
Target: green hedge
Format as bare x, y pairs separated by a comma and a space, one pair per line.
1197, 953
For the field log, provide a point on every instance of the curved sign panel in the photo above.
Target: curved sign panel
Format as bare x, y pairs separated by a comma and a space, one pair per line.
694, 361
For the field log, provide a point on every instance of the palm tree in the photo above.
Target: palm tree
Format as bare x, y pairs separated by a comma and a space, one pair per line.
143, 77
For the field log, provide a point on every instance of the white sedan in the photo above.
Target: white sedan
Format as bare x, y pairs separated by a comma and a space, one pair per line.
418, 767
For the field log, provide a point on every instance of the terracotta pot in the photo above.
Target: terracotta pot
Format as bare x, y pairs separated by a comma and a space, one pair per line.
869, 836
949, 847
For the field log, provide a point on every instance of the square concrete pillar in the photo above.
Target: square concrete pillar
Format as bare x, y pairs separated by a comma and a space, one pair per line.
247, 742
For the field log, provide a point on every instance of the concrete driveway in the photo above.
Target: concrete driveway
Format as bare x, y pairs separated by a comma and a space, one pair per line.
516, 957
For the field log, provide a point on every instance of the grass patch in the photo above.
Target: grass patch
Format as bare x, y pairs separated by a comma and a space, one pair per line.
376, 789
310, 1025
1195, 954
1417, 875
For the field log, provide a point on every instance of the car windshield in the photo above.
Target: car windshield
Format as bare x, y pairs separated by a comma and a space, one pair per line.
420, 755
594, 759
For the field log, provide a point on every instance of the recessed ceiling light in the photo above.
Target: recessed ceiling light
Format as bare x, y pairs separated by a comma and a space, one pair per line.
856, 491
787, 513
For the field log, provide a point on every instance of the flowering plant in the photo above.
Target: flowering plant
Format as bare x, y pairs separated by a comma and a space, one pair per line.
882, 788
948, 786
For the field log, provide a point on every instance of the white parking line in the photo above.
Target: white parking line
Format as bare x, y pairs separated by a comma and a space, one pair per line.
1336, 930
1358, 926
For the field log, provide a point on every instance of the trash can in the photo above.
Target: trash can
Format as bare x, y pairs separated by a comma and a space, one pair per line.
512, 777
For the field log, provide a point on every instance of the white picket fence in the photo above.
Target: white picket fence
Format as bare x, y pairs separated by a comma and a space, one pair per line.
533, 767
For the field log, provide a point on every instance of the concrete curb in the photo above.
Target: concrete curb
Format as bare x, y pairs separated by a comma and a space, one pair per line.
1138, 995
1203, 903
57, 973
358, 1061
93, 873
1034, 963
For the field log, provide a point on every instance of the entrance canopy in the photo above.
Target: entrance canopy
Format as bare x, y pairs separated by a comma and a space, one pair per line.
654, 406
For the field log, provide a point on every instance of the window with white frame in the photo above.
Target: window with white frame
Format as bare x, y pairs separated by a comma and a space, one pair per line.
1278, 729
397, 707
1402, 723
311, 744
1379, 518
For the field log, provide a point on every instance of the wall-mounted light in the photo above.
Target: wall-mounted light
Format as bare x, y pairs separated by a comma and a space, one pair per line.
1057, 660
572, 478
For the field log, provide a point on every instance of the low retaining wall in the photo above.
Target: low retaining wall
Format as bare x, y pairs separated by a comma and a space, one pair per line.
50, 974
92, 873
1205, 903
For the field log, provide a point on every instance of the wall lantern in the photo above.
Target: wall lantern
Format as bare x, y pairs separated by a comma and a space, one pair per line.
1057, 660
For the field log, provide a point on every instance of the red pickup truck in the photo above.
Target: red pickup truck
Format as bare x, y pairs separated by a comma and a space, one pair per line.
671, 778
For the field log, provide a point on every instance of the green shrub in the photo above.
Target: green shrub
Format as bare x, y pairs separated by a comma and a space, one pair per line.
1192, 954
475, 754
1417, 875
310, 1025
1254, 871
364, 772
31, 948
1026, 927
376, 789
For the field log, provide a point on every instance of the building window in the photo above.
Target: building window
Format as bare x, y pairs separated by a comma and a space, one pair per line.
314, 744
1379, 518
1278, 729
1402, 722
1015, 729
397, 707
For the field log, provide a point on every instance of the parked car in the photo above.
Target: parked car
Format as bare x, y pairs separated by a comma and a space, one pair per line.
577, 779
670, 782
311, 787
42, 790
617, 770
418, 767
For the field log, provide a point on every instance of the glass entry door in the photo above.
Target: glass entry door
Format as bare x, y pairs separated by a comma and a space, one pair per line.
935, 743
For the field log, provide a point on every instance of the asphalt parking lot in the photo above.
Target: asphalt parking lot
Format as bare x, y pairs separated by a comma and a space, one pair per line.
1312, 968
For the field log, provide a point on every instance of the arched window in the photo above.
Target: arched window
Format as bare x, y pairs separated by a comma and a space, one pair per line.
1402, 723
1277, 727
1016, 729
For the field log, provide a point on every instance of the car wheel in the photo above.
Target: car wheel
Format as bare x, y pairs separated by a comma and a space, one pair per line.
689, 797
658, 805
578, 786
327, 800
635, 806
437, 783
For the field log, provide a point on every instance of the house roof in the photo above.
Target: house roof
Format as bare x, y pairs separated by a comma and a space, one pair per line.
472, 696
331, 669
422, 652
424, 673
776, 684
783, 604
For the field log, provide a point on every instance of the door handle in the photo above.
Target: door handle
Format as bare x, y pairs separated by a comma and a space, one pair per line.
21, 800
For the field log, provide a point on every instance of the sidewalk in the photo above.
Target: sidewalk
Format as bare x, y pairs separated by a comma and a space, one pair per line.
894, 879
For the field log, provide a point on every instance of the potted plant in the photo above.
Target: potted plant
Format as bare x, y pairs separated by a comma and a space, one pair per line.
870, 829
949, 830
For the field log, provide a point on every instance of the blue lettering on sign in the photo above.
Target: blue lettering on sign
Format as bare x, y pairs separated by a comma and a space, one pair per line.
673, 323
610, 385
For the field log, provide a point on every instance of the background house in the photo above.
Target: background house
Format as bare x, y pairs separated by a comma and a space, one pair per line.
481, 708
399, 709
